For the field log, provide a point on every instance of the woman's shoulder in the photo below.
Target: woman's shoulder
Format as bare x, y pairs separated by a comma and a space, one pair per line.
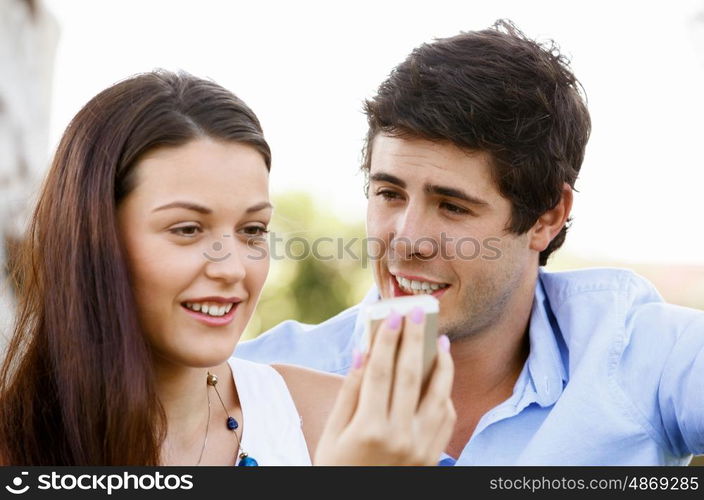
298, 378
309, 385
314, 393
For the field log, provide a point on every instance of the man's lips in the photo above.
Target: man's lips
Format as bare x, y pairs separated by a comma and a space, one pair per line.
416, 278
397, 291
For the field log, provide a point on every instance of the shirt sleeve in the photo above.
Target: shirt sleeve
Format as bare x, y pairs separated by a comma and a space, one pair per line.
681, 389
326, 347
661, 369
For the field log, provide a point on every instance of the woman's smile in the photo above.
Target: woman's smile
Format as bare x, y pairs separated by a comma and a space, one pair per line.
212, 311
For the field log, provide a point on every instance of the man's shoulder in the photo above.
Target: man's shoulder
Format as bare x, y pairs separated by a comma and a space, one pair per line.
627, 344
564, 286
621, 299
326, 346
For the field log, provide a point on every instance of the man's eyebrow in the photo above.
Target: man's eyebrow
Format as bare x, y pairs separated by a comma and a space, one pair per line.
382, 177
431, 189
185, 204
454, 193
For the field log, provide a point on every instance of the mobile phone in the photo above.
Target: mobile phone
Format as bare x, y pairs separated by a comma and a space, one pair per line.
375, 313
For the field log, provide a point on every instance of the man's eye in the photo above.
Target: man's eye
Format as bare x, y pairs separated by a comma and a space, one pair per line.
454, 209
190, 231
388, 194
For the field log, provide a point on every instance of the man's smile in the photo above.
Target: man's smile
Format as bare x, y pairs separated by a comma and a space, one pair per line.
405, 284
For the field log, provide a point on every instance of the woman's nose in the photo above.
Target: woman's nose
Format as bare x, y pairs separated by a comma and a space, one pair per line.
222, 261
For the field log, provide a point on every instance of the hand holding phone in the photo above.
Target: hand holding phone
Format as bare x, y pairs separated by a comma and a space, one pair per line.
385, 414
375, 313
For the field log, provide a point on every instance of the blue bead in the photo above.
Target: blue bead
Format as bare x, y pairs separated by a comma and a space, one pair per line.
247, 462
232, 423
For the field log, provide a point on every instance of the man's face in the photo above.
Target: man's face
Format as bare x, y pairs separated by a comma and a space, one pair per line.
436, 221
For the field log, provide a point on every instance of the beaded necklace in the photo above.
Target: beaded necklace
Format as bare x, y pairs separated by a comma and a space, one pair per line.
244, 459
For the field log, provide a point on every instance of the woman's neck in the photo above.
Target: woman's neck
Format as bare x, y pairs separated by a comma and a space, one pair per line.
183, 393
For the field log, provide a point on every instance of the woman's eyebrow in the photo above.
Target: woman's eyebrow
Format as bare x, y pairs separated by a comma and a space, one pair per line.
185, 204
259, 206
205, 210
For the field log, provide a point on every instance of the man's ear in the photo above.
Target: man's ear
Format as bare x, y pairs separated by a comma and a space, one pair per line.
551, 222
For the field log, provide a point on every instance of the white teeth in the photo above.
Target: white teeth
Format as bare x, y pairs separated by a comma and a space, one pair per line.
418, 287
210, 309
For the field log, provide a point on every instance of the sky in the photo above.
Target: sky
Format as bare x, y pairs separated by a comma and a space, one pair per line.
305, 67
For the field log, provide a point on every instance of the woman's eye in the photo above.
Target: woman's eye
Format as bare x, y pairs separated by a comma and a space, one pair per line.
255, 230
454, 209
187, 231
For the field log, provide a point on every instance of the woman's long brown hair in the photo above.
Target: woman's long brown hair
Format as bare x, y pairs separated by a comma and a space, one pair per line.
76, 384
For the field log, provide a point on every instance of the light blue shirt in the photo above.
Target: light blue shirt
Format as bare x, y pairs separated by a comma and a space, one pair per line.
615, 376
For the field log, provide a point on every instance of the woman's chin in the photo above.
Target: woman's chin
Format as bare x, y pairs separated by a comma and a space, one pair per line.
197, 357
207, 359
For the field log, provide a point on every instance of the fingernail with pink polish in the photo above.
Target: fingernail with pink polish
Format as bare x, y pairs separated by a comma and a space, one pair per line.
356, 359
394, 320
417, 315
444, 343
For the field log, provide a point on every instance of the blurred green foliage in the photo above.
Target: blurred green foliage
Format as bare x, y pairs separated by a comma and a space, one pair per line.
317, 265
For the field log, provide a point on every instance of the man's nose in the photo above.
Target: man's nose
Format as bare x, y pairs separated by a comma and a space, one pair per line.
414, 236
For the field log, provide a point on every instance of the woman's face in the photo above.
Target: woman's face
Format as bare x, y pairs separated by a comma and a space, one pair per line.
194, 232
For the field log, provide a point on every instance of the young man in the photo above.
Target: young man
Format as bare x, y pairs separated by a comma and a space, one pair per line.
474, 146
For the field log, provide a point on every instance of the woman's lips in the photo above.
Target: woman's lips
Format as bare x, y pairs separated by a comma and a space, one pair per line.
213, 320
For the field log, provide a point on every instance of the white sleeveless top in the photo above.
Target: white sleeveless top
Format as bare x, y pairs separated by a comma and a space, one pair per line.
272, 433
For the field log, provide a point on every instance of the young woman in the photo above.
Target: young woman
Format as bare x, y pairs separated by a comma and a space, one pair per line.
142, 266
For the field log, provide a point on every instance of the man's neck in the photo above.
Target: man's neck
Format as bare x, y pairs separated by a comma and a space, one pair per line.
483, 368
487, 366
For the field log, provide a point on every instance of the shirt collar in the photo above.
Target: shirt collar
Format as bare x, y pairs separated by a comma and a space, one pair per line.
548, 353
